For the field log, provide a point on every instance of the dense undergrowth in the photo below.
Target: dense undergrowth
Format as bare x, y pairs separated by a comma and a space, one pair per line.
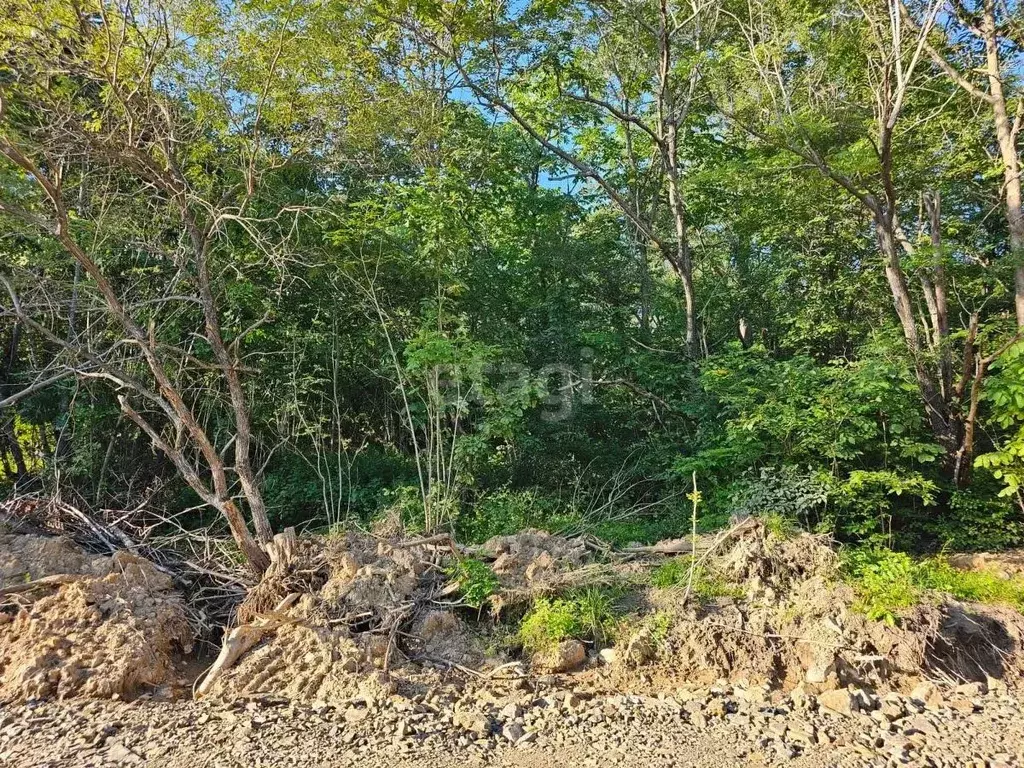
419, 311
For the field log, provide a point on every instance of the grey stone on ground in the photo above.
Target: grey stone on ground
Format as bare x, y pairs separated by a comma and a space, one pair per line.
526, 727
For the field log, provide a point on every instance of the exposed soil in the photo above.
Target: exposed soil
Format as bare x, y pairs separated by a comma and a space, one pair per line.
359, 647
75, 624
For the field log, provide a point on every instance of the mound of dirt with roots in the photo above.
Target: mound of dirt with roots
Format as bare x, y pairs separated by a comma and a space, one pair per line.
78, 624
796, 626
361, 617
364, 606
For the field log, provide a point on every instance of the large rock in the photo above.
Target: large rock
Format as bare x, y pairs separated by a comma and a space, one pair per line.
566, 656
841, 702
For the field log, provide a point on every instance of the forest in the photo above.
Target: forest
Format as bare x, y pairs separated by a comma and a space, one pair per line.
483, 265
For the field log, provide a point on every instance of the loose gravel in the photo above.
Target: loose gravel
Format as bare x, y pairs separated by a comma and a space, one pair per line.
529, 726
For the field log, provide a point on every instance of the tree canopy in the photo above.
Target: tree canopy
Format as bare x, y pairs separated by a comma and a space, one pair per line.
486, 264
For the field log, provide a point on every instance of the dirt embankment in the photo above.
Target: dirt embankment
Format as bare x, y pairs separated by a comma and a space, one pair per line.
77, 624
364, 618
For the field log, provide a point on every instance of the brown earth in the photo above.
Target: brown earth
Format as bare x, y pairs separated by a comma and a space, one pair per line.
76, 624
364, 654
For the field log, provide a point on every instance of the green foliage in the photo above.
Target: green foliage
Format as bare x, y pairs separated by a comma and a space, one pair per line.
505, 511
706, 585
586, 614
884, 581
977, 519
782, 493
975, 586
433, 317
864, 502
477, 582
889, 582
1005, 392
671, 572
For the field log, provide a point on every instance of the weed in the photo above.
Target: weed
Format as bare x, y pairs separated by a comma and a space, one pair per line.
587, 614
778, 525
706, 584
477, 581
659, 624
975, 586
888, 582
883, 580
671, 573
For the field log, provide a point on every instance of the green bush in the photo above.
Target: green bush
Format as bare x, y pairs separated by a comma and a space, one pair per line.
477, 581
504, 511
977, 519
586, 614
884, 582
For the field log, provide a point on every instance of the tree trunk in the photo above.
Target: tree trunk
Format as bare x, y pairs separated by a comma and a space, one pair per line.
1006, 139
941, 426
668, 132
257, 558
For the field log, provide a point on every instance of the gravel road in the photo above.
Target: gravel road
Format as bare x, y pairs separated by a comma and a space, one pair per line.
725, 726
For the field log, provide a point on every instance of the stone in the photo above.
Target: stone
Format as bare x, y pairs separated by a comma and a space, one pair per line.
475, 723
892, 707
356, 714
566, 656
920, 724
120, 754
527, 738
841, 702
510, 711
641, 648
928, 694
607, 655
513, 732
995, 685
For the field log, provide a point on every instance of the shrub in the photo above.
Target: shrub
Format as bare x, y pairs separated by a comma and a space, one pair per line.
888, 582
978, 519
883, 580
586, 614
477, 581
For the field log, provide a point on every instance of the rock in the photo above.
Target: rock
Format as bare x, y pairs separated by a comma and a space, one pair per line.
568, 655
801, 698
527, 738
921, 724
841, 702
473, 722
971, 690
510, 711
607, 655
928, 694
121, 755
715, 708
513, 732
892, 707
356, 714
995, 685
641, 648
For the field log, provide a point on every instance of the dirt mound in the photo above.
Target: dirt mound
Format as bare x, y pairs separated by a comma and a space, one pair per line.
359, 617
75, 624
792, 623
27, 557
1004, 564
531, 557
364, 606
